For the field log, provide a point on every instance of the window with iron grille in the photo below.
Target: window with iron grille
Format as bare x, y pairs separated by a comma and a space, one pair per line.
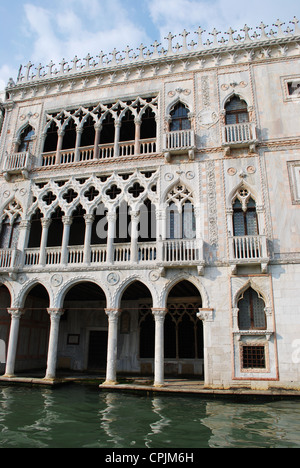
253, 357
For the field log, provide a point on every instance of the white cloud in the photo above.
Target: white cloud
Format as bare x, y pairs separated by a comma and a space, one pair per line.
6, 72
176, 15
78, 28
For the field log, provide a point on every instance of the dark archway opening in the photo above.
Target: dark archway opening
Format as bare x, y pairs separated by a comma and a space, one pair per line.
34, 330
83, 329
183, 331
5, 320
137, 330
51, 139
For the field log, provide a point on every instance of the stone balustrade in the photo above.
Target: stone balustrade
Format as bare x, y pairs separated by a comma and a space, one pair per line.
105, 151
17, 163
244, 250
163, 253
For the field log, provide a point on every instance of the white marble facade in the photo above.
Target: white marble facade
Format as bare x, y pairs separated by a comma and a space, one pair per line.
210, 127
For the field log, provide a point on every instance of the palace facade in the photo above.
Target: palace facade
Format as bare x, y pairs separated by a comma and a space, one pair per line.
149, 209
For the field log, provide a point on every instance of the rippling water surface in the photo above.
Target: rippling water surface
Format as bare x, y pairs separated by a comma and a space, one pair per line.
79, 416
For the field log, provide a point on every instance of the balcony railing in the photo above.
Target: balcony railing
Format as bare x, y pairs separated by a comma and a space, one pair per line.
239, 135
17, 163
106, 151
178, 142
244, 250
9, 259
175, 252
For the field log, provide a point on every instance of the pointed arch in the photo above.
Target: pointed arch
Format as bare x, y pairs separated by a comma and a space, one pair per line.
129, 282
258, 288
243, 185
174, 103
185, 277
22, 130
231, 95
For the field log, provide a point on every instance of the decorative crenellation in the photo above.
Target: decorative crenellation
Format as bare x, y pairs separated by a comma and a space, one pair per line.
230, 44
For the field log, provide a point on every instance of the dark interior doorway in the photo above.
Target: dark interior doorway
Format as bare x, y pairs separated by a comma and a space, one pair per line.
97, 350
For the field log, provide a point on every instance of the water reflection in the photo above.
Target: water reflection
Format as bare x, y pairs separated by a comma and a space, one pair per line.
84, 417
159, 426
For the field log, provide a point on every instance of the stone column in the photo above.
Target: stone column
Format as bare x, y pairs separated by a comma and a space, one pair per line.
206, 315
55, 315
23, 239
112, 345
135, 219
16, 314
79, 132
111, 234
67, 221
89, 220
159, 364
117, 138
98, 128
60, 140
45, 225
138, 124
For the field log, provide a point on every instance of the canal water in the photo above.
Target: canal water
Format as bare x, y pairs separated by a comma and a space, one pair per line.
79, 416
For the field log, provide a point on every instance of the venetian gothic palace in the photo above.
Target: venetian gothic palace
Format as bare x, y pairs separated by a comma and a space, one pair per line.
149, 210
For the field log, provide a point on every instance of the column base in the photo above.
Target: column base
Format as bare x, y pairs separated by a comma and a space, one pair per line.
49, 377
158, 385
109, 382
8, 376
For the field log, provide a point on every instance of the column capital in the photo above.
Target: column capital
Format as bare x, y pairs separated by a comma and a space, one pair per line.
89, 218
206, 315
113, 314
159, 313
46, 222
55, 313
16, 313
67, 220
25, 224
112, 216
135, 214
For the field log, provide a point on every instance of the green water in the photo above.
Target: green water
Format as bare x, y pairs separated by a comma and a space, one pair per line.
78, 416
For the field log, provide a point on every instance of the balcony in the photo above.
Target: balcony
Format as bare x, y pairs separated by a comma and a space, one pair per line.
108, 151
179, 142
162, 254
9, 261
17, 163
241, 135
248, 250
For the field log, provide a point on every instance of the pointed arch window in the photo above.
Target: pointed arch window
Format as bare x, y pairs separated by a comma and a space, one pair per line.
251, 311
51, 139
69, 140
9, 234
245, 221
88, 134
127, 132
26, 141
181, 214
236, 111
180, 118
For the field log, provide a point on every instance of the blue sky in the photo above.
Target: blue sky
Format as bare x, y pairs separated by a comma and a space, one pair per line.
39, 31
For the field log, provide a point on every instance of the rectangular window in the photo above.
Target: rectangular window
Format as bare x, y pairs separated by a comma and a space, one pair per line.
294, 88
253, 357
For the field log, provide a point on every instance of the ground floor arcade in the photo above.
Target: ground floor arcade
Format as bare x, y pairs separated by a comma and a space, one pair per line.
218, 328
85, 335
